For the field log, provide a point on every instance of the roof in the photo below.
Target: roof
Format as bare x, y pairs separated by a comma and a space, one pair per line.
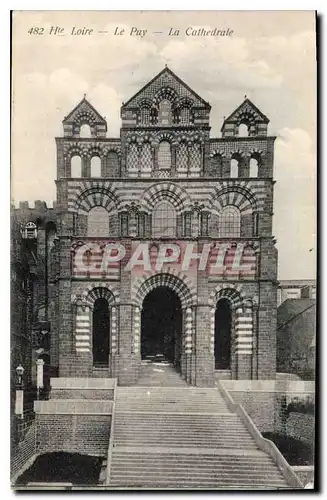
291, 308
167, 71
246, 104
84, 104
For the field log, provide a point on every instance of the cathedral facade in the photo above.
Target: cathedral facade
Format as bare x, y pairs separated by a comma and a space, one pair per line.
163, 246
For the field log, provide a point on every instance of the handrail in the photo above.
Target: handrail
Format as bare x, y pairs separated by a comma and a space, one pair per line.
111, 437
264, 444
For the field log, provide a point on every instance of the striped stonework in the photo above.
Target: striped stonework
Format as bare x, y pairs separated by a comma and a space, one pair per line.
114, 330
165, 191
85, 194
243, 333
250, 196
212, 329
82, 329
188, 331
233, 292
99, 292
179, 283
136, 330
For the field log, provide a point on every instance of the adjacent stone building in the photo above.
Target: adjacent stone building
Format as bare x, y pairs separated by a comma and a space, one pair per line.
296, 328
164, 181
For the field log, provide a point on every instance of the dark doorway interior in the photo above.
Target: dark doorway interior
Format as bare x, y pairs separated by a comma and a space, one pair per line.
223, 326
161, 325
101, 328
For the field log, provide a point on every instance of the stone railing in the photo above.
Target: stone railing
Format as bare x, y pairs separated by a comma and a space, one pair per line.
263, 444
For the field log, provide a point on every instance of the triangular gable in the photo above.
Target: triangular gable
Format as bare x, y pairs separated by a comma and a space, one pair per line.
166, 77
247, 107
84, 107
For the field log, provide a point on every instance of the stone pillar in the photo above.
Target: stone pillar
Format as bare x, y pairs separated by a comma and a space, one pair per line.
39, 373
113, 341
173, 159
204, 368
255, 343
86, 166
128, 362
212, 331
136, 346
267, 321
226, 167
188, 344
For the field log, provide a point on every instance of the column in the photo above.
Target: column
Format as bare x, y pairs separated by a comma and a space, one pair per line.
204, 366
136, 331
188, 344
113, 341
212, 330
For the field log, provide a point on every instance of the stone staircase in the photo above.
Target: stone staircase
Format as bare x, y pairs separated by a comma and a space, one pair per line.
185, 438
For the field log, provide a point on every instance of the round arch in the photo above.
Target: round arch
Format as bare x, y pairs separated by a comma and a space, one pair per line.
165, 191
95, 196
236, 195
179, 284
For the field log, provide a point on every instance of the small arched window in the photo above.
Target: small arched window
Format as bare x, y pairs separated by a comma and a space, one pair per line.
165, 115
85, 131
76, 166
234, 168
98, 222
254, 167
164, 155
30, 231
230, 222
164, 220
185, 116
243, 130
145, 115
95, 166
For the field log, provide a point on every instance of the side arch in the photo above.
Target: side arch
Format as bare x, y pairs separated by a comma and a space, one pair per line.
95, 196
234, 194
88, 295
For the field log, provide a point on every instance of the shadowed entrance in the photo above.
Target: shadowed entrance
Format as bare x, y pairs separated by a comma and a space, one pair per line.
101, 333
223, 325
161, 326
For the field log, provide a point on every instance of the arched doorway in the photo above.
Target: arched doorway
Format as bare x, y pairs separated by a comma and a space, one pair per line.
223, 328
101, 332
161, 326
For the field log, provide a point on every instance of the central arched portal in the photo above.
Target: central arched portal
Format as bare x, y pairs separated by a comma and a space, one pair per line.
161, 326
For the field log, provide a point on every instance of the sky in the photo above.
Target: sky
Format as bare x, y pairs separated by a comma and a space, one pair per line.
270, 57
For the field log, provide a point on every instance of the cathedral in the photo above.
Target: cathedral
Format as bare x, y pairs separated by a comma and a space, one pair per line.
165, 189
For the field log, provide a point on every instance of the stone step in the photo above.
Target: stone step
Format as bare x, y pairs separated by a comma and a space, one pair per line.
186, 431
193, 459
135, 480
120, 485
186, 444
199, 468
219, 476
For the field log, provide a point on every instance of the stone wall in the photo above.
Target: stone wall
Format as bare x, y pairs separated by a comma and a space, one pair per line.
23, 451
266, 403
86, 434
